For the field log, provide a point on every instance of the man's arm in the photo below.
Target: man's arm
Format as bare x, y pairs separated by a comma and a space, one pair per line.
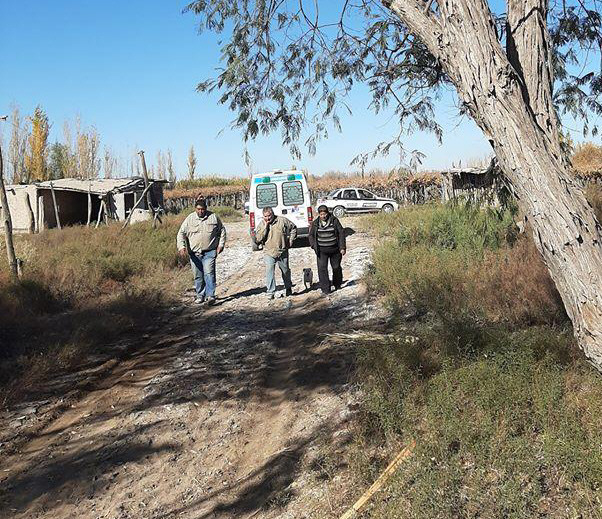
222, 235
261, 232
342, 237
292, 232
312, 235
182, 234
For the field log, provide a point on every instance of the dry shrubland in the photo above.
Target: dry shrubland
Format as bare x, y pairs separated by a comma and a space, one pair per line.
482, 371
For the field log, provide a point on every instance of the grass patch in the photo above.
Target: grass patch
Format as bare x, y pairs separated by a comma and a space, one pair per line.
485, 376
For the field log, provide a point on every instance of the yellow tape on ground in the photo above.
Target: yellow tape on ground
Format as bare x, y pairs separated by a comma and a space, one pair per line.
377, 485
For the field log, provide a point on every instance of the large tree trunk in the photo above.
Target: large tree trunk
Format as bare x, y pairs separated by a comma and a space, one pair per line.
524, 136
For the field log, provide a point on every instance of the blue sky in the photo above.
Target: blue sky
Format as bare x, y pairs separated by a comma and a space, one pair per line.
131, 68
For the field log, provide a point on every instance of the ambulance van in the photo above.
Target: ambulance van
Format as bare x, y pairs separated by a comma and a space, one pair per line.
286, 192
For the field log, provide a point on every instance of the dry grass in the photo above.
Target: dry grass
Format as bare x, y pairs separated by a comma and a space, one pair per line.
587, 160
486, 376
82, 288
327, 182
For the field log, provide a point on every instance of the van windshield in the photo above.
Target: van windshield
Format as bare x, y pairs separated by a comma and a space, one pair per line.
292, 193
267, 195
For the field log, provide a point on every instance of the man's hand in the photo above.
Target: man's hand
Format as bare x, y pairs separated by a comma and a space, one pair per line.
183, 253
343, 251
267, 219
220, 250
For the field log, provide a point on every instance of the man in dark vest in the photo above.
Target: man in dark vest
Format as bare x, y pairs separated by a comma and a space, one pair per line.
327, 239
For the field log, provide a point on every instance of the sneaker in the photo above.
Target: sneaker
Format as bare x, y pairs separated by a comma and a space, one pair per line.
199, 300
211, 300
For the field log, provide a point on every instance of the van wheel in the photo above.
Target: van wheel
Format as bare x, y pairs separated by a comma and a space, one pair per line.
387, 208
339, 211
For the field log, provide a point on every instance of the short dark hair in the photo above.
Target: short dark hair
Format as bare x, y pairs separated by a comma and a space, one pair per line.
200, 202
323, 208
267, 210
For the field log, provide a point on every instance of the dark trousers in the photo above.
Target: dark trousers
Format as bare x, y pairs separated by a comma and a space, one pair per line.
335, 258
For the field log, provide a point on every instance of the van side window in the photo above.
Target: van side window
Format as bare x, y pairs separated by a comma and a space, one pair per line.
267, 195
292, 193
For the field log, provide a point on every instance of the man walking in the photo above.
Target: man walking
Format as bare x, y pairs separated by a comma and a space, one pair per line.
277, 235
327, 239
202, 236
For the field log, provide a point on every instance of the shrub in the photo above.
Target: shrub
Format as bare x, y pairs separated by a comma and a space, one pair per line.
486, 376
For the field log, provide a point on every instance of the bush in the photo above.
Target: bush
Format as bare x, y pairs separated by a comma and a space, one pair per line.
485, 374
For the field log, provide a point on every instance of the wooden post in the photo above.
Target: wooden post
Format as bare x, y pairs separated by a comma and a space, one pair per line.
149, 202
56, 207
102, 203
8, 224
30, 216
89, 205
136, 205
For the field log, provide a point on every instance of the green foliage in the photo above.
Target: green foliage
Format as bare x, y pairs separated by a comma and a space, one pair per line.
458, 226
60, 157
288, 67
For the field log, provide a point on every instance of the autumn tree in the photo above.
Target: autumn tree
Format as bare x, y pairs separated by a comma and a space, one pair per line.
87, 153
170, 169
160, 165
288, 65
109, 162
36, 153
17, 146
191, 163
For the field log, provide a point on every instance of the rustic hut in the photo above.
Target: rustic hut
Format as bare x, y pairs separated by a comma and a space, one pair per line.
35, 207
478, 185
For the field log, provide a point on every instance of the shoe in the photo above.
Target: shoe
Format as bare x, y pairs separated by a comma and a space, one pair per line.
211, 300
199, 300
289, 292
270, 296
337, 288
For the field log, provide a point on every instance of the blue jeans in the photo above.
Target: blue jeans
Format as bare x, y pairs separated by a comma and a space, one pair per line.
270, 267
203, 268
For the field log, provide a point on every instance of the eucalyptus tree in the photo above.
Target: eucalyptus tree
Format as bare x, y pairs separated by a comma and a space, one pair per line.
516, 66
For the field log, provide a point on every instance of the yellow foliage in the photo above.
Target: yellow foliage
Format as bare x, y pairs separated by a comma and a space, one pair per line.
36, 155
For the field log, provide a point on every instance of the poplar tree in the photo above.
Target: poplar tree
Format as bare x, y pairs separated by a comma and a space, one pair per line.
36, 154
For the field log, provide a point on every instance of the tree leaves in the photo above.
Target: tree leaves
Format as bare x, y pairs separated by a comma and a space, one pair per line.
289, 66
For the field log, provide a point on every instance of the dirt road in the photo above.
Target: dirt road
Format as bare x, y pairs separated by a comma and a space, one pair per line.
216, 413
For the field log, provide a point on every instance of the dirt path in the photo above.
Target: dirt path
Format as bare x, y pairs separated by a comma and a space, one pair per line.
220, 413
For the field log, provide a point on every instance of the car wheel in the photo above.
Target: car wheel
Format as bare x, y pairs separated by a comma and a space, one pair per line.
339, 211
387, 208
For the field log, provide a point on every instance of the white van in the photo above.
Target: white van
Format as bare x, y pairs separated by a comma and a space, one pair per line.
286, 192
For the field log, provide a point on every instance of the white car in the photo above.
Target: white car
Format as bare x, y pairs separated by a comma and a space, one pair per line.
356, 200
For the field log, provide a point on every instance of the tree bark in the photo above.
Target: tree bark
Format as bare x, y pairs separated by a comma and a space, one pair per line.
8, 225
565, 229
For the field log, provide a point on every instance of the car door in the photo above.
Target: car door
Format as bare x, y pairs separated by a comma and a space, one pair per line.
350, 197
368, 200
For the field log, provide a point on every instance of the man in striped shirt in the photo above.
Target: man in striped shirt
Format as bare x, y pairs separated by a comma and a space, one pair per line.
327, 239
